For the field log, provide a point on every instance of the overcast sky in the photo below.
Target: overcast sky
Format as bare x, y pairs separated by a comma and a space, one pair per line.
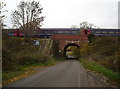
65, 13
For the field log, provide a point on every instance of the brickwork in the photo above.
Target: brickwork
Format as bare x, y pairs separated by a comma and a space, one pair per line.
65, 40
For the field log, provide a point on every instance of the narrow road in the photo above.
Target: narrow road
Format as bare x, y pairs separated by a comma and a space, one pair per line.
66, 74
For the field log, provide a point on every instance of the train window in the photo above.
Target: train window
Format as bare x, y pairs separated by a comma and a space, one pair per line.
117, 32
111, 32
104, 32
65, 31
97, 32
73, 31
60, 31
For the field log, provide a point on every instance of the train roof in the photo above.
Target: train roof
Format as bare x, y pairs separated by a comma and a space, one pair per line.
66, 29
74, 29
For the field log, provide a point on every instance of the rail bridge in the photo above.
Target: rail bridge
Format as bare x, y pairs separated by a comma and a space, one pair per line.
69, 40
66, 36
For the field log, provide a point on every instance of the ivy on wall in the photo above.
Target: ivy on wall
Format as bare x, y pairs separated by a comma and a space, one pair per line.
55, 48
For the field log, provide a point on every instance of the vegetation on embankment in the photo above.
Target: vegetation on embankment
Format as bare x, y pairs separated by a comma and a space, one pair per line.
104, 52
24, 71
92, 65
19, 54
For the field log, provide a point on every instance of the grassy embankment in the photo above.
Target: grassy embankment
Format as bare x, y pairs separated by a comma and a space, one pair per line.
96, 67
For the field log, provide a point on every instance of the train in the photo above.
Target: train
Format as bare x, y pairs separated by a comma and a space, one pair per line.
48, 32
97, 32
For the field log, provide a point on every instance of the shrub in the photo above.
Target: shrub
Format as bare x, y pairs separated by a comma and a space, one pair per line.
105, 51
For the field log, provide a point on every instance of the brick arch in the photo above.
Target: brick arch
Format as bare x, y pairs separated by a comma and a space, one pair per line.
69, 39
70, 44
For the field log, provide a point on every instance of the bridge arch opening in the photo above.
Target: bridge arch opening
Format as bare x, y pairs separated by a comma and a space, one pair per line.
68, 51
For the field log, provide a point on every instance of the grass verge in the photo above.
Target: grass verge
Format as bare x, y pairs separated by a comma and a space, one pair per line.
114, 76
25, 70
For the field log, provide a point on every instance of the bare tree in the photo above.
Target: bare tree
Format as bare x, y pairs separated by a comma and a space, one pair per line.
28, 15
74, 26
86, 25
1, 14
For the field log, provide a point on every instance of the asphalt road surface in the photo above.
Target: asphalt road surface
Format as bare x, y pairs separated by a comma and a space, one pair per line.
66, 74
